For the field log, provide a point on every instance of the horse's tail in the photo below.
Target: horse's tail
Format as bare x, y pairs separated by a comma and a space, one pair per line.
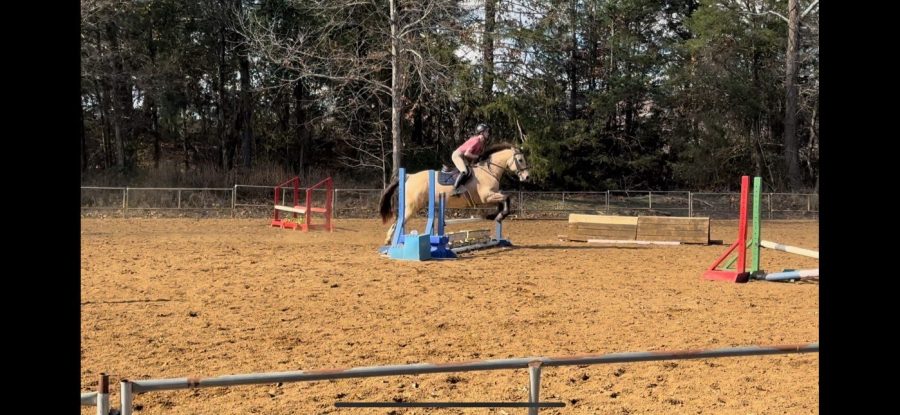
387, 198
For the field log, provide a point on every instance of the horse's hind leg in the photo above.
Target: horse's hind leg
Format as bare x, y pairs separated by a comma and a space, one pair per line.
390, 233
408, 214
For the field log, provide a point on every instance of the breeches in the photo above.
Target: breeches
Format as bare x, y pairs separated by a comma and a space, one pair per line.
459, 161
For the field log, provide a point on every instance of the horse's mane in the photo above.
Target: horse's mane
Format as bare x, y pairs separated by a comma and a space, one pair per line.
493, 148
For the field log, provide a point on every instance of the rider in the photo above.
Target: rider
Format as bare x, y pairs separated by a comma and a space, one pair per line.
471, 149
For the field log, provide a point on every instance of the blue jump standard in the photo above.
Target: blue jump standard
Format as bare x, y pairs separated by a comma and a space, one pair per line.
431, 244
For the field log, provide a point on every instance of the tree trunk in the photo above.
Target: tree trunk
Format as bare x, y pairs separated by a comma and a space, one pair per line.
417, 133
573, 76
303, 133
117, 97
487, 49
100, 90
184, 141
232, 139
204, 122
246, 114
756, 122
105, 126
396, 93
246, 105
630, 112
282, 107
222, 127
124, 107
157, 134
280, 151
791, 148
592, 49
84, 158
120, 143
151, 102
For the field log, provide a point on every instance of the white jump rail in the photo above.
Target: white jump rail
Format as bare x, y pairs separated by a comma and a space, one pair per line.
791, 249
301, 210
462, 220
631, 242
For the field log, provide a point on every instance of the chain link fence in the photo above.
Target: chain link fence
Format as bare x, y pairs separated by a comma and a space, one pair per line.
247, 201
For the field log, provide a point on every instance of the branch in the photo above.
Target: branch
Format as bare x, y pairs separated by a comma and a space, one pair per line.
782, 17
809, 9
406, 28
802, 15
300, 54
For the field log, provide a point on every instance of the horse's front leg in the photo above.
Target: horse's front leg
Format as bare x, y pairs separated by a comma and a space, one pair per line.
502, 201
504, 209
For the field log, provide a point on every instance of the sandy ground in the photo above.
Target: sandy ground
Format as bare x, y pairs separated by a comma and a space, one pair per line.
185, 297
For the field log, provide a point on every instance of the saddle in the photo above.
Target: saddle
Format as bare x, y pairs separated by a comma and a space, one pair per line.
448, 174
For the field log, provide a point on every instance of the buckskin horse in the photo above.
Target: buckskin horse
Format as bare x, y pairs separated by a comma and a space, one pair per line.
481, 189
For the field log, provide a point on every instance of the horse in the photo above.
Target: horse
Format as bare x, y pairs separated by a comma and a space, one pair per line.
482, 187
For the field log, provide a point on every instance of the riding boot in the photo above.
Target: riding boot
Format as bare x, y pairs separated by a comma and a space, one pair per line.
460, 180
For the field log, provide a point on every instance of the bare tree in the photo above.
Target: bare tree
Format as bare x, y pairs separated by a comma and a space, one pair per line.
808, 89
349, 48
246, 100
107, 67
791, 145
791, 153
487, 48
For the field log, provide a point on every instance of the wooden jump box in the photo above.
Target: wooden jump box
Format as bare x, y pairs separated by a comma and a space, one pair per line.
640, 228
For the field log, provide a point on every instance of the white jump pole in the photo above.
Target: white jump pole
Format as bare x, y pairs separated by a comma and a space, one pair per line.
790, 249
631, 242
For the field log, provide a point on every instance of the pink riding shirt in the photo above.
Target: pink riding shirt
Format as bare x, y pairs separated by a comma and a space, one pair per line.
474, 145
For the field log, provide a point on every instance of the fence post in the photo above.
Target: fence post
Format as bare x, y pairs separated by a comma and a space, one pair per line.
650, 200
522, 203
769, 199
125, 202
607, 202
179, 199
562, 205
534, 385
334, 203
103, 395
233, 200
125, 398
690, 204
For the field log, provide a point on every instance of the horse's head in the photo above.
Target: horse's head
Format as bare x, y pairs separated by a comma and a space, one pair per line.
518, 164
507, 157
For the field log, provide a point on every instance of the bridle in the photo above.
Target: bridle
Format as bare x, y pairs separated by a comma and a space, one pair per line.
520, 165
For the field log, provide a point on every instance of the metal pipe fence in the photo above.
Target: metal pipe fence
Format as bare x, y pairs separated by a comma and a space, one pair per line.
534, 364
100, 398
